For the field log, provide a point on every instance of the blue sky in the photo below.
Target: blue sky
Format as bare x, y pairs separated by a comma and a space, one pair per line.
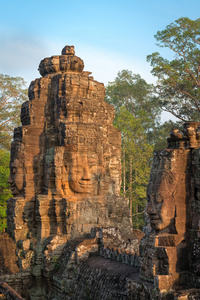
108, 35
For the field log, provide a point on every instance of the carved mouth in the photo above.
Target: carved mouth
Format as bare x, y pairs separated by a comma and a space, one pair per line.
154, 218
155, 222
14, 190
12, 187
85, 184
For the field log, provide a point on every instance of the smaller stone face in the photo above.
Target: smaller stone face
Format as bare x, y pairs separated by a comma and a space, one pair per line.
160, 201
16, 178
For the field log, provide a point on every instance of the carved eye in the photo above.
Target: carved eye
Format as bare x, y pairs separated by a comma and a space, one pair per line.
14, 170
79, 169
148, 198
94, 170
158, 198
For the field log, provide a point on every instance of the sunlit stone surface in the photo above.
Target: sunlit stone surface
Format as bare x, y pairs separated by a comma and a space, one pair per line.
69, 232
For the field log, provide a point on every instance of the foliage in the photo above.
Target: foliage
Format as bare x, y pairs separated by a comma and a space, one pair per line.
12, 94
178, 84
137, 116
159, 136
134, 93
137, 161
5, 192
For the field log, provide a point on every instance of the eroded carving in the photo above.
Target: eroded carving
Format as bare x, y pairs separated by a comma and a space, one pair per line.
161, 207
84, 172
17, 171
167, 252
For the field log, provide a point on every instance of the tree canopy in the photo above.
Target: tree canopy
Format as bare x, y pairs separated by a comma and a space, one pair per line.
133, 92
136, 155
12, 94
136, 116
178, 84
5, 192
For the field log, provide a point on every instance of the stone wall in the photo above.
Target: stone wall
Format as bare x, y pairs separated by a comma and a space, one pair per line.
8, 292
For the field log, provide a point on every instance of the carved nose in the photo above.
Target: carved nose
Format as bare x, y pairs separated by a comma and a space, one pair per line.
150, 209
86, 175
10, 179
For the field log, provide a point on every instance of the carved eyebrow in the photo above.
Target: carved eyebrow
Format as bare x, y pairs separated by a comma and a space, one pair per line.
13, 165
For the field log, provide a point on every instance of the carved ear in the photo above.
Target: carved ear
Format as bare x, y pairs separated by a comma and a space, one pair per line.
171, 180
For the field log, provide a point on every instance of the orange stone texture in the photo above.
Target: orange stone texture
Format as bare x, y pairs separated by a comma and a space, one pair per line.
169, 253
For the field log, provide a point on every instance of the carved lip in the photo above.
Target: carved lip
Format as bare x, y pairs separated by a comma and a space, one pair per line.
14, 190
12, 187
85, 184
154, 218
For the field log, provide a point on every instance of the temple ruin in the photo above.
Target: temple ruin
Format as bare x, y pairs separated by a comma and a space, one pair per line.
69, 232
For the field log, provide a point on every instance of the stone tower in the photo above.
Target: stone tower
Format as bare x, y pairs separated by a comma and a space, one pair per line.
65, 158
65, 171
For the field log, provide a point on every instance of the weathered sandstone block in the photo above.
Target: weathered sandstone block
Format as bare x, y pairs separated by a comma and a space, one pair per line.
169, 253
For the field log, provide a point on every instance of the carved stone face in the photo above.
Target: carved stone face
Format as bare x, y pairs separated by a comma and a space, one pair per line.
161, 203
84, 173
16, 178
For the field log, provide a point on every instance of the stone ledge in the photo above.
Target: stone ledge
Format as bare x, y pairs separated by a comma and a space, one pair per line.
8, 292
121, 255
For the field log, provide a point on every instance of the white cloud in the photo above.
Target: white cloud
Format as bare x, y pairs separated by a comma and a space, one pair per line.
105, 64
21, 55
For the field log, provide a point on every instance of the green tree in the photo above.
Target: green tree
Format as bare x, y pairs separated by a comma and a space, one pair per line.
135, 163
133, 92
12, 94
159, 136
137, 116
178, 84
5, 192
